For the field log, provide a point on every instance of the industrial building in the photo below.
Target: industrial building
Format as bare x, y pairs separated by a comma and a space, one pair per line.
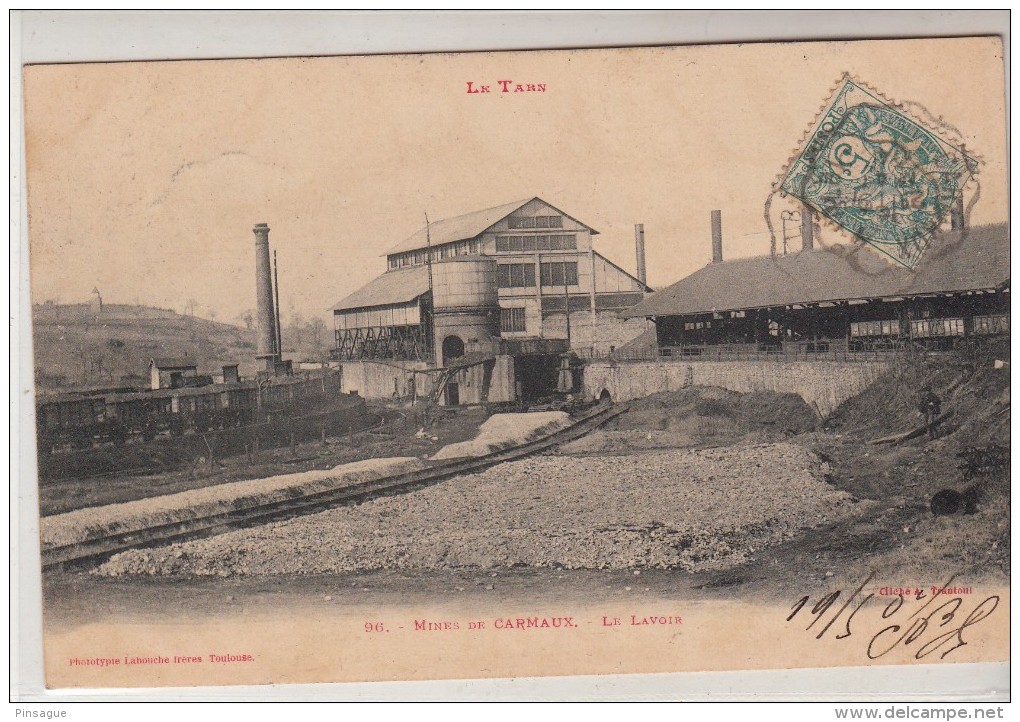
496, 296
835, 301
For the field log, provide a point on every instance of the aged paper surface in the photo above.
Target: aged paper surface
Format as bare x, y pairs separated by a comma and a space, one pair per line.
144, 182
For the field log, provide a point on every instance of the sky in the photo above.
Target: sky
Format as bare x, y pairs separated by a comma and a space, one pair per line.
144, 179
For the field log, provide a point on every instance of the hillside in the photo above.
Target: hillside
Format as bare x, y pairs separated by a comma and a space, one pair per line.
74, 347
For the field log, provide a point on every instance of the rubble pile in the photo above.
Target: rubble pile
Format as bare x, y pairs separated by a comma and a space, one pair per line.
501, 431
691, 510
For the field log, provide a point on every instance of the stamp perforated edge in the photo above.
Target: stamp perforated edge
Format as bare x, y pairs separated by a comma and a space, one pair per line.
900, 106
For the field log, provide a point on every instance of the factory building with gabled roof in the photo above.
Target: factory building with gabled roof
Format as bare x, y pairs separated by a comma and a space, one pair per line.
549, 282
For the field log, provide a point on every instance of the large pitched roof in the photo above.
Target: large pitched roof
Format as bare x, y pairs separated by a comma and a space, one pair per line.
400, 286
460, 228
976, 259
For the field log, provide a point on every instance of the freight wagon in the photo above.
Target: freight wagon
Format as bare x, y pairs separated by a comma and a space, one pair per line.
82, 420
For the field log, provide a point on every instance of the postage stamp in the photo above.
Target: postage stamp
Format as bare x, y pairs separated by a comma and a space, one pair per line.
878, 173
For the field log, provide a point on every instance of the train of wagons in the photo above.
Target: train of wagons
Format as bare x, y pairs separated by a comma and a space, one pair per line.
81, 420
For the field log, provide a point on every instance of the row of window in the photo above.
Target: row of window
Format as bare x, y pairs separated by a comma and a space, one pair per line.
511, 320
541, 242
522, 275
991, 324
923, 328
536, 222
874, 328
449, 250
931, 327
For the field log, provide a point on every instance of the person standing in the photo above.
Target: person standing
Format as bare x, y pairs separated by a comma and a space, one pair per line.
930, 407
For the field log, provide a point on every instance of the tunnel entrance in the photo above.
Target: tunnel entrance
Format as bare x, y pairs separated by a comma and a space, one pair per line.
537, 375
605, 396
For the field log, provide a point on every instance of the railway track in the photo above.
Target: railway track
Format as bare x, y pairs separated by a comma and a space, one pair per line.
94, 551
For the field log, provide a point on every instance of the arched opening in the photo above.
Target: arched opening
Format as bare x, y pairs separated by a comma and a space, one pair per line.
605, 397
453, 348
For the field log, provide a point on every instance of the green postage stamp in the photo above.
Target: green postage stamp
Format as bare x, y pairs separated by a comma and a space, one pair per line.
878, 173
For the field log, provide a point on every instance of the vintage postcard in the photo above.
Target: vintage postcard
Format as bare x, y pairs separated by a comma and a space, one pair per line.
521, 364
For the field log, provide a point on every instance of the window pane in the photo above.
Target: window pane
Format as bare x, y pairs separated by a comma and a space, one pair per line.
529, 275
571, 273
529, 243
511, 320
504, 276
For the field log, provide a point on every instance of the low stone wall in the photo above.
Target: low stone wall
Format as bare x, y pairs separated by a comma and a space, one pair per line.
824, 385
378, 380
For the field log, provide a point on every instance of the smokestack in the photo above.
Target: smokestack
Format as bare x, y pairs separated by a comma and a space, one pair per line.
716, 236
276, 295
265, 348
639, 243
956, 219
807, 227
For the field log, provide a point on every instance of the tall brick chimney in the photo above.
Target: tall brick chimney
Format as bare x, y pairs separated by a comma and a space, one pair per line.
807, 227
639, 246
956, 218
716, 236
265, 349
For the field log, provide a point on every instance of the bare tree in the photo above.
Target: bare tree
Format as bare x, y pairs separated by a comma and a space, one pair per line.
189, 307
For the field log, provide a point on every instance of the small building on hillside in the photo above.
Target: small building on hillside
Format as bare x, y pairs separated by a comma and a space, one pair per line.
171, 373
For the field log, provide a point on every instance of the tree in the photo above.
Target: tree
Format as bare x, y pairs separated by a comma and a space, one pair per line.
189, 307
297, 328
317, 327
248, 317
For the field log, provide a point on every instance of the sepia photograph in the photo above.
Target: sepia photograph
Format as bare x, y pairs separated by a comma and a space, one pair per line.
492, 365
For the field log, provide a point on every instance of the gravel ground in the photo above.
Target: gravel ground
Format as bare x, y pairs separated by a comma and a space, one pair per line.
692, 510
82, 524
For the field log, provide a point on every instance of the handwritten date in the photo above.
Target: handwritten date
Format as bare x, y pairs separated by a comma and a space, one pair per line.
904, 620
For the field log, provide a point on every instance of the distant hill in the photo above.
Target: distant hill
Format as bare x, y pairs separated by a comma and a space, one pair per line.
75, 347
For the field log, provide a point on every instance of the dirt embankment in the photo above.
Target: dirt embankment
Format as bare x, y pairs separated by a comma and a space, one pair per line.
699, 417
908, 539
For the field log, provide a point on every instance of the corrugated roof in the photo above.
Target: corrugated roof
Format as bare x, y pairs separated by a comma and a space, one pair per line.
975, 259
979, 259
400, 286
458, 228
467, 226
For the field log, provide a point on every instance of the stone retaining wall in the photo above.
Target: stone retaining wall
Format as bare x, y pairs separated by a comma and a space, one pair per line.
824, 385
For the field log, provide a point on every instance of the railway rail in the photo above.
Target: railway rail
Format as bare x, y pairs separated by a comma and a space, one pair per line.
94, 551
